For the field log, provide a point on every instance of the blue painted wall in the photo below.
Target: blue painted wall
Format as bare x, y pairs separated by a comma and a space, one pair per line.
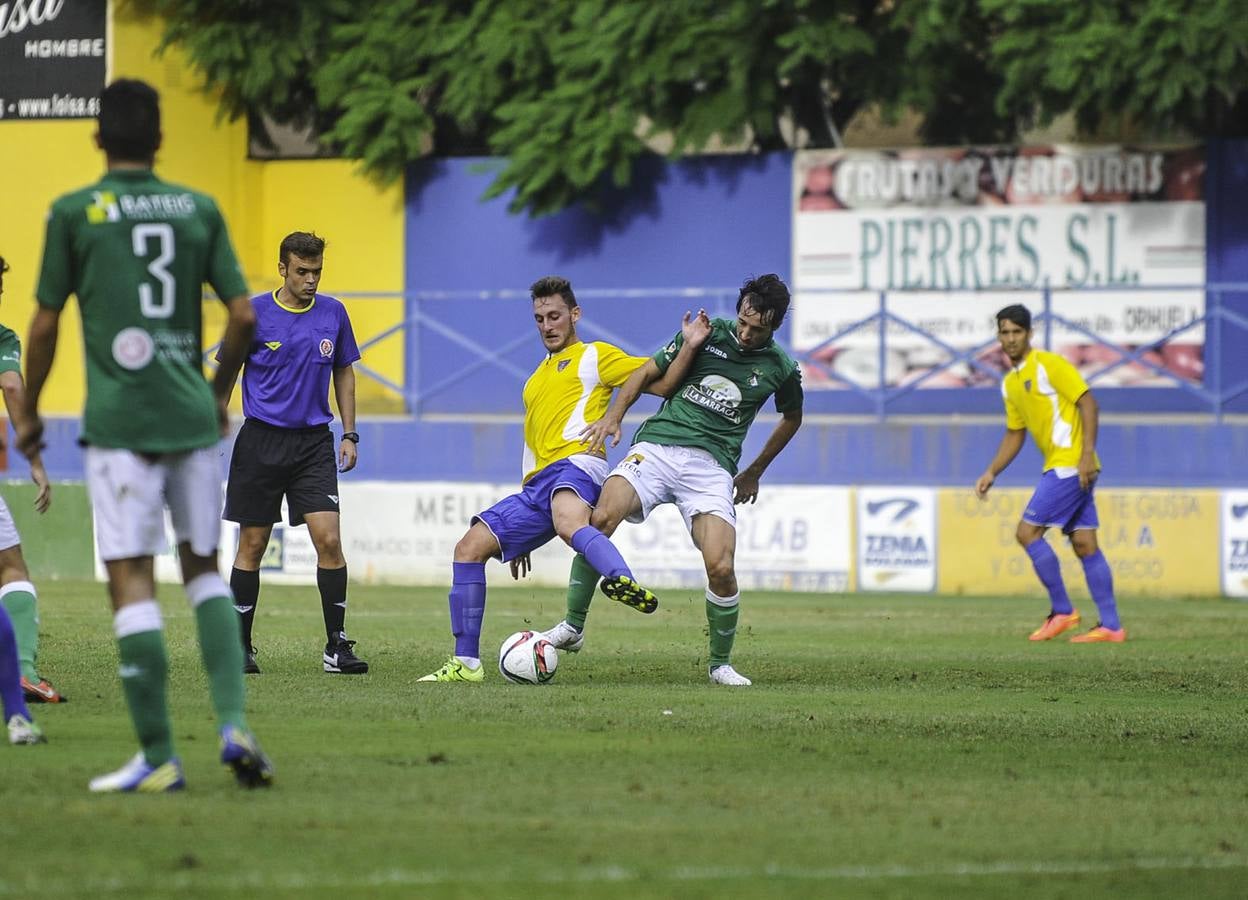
929, 454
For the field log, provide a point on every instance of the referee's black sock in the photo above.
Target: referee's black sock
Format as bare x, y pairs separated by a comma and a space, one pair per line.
333, 587
246, 588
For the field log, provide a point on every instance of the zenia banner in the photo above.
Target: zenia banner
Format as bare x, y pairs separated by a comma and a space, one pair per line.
949, 236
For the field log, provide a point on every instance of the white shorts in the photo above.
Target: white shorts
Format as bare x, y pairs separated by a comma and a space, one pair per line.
687, 476
129, 494
8, 530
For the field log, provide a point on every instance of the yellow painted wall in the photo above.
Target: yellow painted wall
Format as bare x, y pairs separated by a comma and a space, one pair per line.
1157, 542
262, 201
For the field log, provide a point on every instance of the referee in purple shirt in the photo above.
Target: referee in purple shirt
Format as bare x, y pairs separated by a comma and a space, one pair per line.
285, 448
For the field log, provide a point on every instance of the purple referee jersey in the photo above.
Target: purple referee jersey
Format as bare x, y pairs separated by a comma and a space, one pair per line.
292, 357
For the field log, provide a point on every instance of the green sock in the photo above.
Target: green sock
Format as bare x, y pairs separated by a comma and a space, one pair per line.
582, 582
22, 610
722, 622
221, 647
144, 674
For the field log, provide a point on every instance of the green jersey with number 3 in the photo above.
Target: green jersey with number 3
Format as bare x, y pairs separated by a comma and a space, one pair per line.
136, 251
719, 398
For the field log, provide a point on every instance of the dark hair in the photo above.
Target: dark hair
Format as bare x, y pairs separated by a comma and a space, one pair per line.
4, 266
303, 244
129, 120
551, 286
1016, 313
768, 296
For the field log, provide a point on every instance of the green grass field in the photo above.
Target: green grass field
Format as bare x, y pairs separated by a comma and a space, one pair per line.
892, 746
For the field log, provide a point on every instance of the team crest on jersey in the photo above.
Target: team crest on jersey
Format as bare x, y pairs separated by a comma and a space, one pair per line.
327, 348
133, 348
563, 364
1027, 385
103, 208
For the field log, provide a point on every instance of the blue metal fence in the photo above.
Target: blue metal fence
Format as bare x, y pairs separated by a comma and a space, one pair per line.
469, 352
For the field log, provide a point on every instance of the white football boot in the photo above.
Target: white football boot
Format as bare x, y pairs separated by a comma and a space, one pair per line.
729, 675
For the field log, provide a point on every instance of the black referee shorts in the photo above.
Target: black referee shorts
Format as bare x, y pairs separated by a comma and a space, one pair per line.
271, 462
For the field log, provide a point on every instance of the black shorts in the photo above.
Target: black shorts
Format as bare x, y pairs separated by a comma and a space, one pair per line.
270, 462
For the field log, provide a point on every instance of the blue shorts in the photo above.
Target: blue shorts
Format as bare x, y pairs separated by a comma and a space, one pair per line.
522, 522
1061, 503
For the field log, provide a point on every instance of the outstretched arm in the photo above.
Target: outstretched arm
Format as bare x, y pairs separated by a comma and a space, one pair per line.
745, 485
694, 330
1011, 443
40, 351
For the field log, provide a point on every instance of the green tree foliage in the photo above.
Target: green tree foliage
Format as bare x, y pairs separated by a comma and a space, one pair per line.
569, 93
1164, 65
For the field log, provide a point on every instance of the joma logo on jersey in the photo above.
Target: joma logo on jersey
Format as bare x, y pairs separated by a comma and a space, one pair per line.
272, 345
711, 349
103, 208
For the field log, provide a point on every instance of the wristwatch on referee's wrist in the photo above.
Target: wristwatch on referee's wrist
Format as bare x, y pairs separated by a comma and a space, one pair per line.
352, 436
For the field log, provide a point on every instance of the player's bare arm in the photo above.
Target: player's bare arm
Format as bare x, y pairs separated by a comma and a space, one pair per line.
239, 328
344, 394
15, 402
1089, 415
745, 485
1011, 443
40, 352
648, 379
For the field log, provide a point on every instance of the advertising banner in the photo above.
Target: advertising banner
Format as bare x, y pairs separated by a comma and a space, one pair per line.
791, 539
896, 539
1235, 543
53, 58
953, 235
1158, 543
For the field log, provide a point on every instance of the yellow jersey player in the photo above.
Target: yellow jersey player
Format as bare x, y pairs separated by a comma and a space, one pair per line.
1045, 395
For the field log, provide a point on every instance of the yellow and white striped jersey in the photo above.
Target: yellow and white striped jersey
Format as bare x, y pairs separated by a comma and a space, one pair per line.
569, 390
1040, 395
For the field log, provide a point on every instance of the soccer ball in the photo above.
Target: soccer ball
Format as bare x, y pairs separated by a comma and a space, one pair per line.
528, 658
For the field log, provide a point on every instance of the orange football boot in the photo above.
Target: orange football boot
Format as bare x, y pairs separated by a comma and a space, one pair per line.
1054, 625
41, 692
1101, 635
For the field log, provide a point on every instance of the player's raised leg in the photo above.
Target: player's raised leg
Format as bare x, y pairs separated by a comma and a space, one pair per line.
467, 603
717, 539
617, 501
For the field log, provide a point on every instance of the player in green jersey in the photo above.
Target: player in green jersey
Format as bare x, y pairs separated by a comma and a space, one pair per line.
689, 451
17, 593
136, 251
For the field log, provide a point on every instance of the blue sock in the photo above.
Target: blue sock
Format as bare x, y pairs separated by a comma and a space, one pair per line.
10, 671
467, 607
598, 550
1049, 571
1101, 586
